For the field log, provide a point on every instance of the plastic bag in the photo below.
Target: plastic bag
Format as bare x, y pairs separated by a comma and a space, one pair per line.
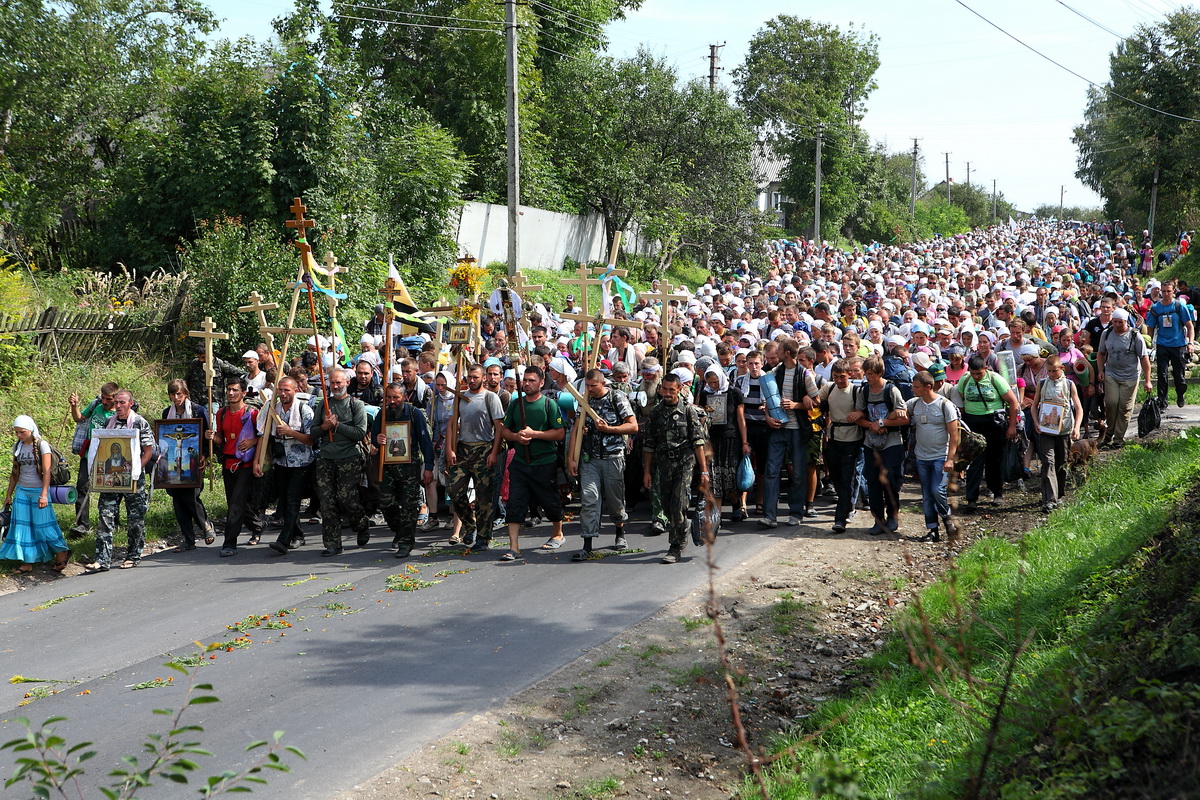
1011, 466
745, 474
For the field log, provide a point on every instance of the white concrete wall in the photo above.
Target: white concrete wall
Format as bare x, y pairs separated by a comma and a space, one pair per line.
547, 237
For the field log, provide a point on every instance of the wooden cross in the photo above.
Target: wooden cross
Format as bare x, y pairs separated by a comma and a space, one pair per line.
330, 271
517, 284
300, 223
209, 333
665, 299
257, 306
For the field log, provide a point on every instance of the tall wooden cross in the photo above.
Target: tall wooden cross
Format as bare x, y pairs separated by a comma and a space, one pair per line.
330, 270
209, 333
257, 306
518, 284
665, 298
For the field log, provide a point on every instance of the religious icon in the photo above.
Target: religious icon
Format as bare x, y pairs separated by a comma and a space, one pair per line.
459, 333
115, 459
1007, 361
398, 449
179, 449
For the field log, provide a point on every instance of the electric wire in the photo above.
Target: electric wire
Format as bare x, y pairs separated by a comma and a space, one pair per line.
417, 24
416, 14
1105, 89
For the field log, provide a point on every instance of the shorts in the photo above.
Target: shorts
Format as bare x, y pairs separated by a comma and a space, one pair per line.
538, 482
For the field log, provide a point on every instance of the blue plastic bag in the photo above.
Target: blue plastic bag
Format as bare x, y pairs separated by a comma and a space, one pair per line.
745, 474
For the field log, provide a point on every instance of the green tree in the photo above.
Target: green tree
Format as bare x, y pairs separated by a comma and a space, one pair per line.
1122, 144
81, 82
802, 79
635, 146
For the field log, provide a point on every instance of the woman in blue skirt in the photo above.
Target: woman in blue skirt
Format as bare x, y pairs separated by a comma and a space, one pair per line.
33, 532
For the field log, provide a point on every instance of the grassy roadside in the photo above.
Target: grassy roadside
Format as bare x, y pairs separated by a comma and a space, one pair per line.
43, 395
920, 728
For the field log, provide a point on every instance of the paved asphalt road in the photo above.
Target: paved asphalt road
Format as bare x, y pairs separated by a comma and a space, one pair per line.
355, 691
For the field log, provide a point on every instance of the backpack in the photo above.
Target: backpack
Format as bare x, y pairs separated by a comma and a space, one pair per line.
903, 430
901, 375
971, 445
60, 473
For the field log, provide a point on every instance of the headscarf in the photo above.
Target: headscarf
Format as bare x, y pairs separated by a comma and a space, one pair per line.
563, 367
722, 378
26, 423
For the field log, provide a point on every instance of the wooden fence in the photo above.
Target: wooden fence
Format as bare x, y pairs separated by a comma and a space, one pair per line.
71, 335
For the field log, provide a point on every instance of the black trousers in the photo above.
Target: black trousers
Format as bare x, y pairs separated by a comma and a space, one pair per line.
290, 484
1176, 359
189, 508
841, 459
239, 495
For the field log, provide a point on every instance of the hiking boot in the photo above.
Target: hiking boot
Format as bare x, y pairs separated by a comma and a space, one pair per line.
672, 557
931, 535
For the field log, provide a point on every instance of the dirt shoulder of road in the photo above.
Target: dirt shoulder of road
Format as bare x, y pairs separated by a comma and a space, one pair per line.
647, 715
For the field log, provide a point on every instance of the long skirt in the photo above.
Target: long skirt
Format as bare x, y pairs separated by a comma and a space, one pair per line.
727, 454
33, 533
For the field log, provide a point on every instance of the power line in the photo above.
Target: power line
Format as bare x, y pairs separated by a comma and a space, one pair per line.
417, 24
1034, 50
1079, 13
416, 14
566, 13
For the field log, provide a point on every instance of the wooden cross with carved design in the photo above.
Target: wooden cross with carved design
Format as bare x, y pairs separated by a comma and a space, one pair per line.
257, 306
209, 333
517, 284
330, 270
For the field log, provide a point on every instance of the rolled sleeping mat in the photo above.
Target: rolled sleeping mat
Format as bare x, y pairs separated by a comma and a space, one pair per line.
63, 494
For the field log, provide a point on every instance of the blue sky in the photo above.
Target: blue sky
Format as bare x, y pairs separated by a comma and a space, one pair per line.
945, 77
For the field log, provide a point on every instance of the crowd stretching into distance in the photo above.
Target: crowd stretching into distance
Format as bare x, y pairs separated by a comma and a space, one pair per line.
819, 372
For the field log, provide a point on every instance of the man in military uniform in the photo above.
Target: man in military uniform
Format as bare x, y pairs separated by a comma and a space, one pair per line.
197, 383
472, 460
602, 471
674, 445
400, 490
339, 464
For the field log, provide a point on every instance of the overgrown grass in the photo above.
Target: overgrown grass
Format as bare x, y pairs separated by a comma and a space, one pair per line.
916, 733
1186, 267
44, 397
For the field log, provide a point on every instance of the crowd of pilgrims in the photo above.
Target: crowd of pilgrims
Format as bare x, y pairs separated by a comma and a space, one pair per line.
832, 375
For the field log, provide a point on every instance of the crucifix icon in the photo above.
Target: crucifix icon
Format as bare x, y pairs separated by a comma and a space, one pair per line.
257, 306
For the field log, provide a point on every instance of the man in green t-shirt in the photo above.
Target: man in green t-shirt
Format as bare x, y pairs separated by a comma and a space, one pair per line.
533, 425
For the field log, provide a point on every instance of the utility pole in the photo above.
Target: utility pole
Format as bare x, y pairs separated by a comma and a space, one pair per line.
993, 199
968, 174
912, 197
513, 137
1153, 203
817, 194
713, 60
947, 177
1062, 190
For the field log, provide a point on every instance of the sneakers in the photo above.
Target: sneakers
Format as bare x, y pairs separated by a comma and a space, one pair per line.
809, 511
404, 551
498, 523
656, 529
931, 535
1020, 484
297, 541
794, 521
738, 515
767, 522
672, 557
278, 547
970, 507
839, 527
430, 524
621, 543
329, 552
892, 525
77, 532
377, 519
877, 530
481, 545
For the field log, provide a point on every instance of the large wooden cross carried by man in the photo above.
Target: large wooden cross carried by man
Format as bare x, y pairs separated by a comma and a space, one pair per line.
209, 333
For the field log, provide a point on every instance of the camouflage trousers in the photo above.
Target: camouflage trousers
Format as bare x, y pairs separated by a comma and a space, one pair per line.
337, 486
471, 467
399, 500
672, 477
136, 504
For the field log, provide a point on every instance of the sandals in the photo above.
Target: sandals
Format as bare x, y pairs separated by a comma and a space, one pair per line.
553, 544
511, 555
210, 535
127, 564
60, 565
183, 548
254, 538
24, 568
95, 568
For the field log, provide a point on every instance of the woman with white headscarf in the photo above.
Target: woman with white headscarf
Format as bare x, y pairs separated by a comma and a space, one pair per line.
727, 431
33, 533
